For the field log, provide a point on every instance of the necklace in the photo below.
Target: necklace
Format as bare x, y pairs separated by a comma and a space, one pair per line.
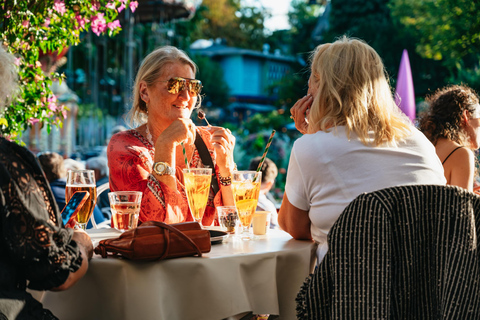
149, 135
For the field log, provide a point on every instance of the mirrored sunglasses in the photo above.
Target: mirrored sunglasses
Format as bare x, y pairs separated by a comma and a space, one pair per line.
177, 85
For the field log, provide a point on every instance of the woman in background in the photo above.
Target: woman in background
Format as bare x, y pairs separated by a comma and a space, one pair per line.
356, 141
452, 124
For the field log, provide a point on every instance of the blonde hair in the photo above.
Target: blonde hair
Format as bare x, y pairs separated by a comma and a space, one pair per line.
8, 78
150, 69
353, 91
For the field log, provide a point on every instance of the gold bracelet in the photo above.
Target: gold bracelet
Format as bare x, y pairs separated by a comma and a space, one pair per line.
225, 181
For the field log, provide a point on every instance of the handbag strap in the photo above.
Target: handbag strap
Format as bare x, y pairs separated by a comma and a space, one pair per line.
206, 160
179, 233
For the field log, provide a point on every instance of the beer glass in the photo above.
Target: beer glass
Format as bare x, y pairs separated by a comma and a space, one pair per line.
246, 189
197, 185
82, 180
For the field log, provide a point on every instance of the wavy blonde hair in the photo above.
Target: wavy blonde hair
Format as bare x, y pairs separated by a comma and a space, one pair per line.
8, 78
150, 70
353, 91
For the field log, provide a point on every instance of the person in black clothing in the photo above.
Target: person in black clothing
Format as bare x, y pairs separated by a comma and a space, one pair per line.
34, 245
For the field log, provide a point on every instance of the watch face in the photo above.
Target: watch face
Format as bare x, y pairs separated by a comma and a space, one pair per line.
160, 167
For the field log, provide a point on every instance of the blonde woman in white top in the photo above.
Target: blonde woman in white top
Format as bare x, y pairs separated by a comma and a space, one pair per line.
356, 140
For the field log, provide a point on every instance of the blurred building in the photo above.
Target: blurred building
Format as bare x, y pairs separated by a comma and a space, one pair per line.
250, 75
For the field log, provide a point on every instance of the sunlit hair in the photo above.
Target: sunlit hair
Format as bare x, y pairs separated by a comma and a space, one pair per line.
8, 78
353, 91
444, 118
150, 70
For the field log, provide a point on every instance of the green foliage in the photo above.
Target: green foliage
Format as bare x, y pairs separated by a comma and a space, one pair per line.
374, 23
35, 31
241, 26
303, 19
215, 91
447, 30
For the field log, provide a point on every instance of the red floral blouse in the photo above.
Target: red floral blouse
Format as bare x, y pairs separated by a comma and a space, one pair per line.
130, 160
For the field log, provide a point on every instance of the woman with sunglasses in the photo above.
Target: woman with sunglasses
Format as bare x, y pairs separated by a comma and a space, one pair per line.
150, 157
452, 124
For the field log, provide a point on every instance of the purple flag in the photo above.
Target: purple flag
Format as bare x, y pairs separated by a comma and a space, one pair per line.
404, 94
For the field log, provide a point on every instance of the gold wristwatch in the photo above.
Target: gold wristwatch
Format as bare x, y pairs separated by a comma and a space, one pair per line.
162, 168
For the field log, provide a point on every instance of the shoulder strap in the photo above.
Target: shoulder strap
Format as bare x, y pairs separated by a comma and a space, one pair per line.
451, 153
206, 160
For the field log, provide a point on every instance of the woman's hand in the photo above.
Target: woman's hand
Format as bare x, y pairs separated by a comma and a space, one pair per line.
181, 130
300, 112
223, 143
86, 250
83, 239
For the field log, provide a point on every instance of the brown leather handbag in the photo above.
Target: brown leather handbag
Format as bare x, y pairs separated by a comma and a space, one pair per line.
154, 240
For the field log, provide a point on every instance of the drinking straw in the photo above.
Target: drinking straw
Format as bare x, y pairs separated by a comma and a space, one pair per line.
185, 156
265, 153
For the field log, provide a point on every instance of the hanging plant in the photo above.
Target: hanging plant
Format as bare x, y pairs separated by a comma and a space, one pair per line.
37, 33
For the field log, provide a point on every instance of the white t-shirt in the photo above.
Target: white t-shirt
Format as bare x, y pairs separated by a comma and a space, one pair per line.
327, 171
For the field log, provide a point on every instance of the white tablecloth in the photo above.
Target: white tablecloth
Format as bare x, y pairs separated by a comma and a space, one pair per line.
262, 276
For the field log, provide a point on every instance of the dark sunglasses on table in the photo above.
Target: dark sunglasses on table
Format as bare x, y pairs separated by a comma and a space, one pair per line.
176, 85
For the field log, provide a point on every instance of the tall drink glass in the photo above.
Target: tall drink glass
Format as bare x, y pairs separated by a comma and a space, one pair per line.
82, 180
197, 185
246, 189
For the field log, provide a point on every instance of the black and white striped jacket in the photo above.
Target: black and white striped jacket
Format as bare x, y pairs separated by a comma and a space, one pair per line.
406, 252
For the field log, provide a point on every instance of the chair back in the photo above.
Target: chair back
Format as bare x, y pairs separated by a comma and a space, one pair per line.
406, 252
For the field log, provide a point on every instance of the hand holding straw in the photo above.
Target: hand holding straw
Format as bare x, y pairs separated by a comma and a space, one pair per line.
265, 153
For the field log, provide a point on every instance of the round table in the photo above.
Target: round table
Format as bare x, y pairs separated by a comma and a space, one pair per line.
236, 276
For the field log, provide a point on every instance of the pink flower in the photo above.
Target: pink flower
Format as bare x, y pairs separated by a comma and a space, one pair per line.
99, 24
32, 121
120, 9
25, 23
133, 5
47, 22
81, 21
110, 5
114, 24
59, 6
17, 61
64, 113
53, 98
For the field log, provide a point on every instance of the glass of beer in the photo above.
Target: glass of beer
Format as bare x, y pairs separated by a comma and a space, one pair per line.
125, 207
246, 189
197, 185
82, 180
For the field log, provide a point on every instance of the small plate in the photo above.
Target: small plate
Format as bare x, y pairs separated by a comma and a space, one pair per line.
217, 236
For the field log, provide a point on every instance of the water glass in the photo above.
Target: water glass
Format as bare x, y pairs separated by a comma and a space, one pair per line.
125, 207
228, 218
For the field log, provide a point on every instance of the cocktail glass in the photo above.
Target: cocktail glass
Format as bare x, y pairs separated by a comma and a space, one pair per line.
197, 185
246, 189
125, 207
82, 180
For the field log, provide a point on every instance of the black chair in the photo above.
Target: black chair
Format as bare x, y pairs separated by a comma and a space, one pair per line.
406, 252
